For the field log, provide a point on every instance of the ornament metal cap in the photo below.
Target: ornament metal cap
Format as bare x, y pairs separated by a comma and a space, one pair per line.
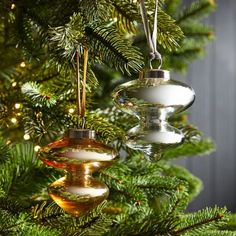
81, 133
154, 74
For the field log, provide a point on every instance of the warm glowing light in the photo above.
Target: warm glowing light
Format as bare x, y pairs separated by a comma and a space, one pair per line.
13, 6
14, 84
13, 120
26, 137
18, 113
71, 110
8, 142
36, 148
22, 64
17, 105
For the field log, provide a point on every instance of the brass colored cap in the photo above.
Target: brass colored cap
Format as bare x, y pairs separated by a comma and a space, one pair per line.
154, 74
81, 133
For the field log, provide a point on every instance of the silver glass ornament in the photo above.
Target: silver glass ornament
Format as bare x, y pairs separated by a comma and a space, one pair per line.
153, 98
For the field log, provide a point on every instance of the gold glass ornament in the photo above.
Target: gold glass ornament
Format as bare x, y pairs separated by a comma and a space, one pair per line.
80, 154
153, 98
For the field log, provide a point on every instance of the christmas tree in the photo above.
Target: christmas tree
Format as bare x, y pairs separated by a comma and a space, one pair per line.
39, 43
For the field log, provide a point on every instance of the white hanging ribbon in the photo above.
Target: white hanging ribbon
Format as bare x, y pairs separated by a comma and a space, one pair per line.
151, 40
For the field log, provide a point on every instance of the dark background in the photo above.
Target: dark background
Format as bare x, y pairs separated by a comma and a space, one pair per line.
214, 81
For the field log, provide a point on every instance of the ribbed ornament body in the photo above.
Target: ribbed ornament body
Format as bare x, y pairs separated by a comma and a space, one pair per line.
153, 98
80, 154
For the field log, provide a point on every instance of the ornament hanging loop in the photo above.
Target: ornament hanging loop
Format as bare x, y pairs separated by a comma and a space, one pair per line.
151, 59
151, 39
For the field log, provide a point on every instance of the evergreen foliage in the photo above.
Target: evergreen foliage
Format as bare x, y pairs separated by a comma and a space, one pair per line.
38, 42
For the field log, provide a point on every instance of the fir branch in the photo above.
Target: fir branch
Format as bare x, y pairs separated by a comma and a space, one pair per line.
176, 204
132, 194
170, 6
187, 54
37, 230
7, 72
29, 35
65, 39
190, 149
91, 10
10, 206
112, 48
173, 62
169, 33
38, 95
199, 224
4, 151
202, 220
117, 117
191, 133
100, 227
124, 187
191, 48
44, 127
22, 224
165, 184
130, 225
215, 233
139, 166
231, 224
194, 184
7, 223
105, 129
197, 30
119, 181
44, 212
196, 10
125, 12
94, 221
24, 176
28, 227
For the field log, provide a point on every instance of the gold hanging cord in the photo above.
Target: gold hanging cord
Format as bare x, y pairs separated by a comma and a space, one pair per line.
78, 88
81, 105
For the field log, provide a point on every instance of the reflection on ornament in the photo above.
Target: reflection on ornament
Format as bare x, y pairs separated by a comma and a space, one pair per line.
153, 98
80, 154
